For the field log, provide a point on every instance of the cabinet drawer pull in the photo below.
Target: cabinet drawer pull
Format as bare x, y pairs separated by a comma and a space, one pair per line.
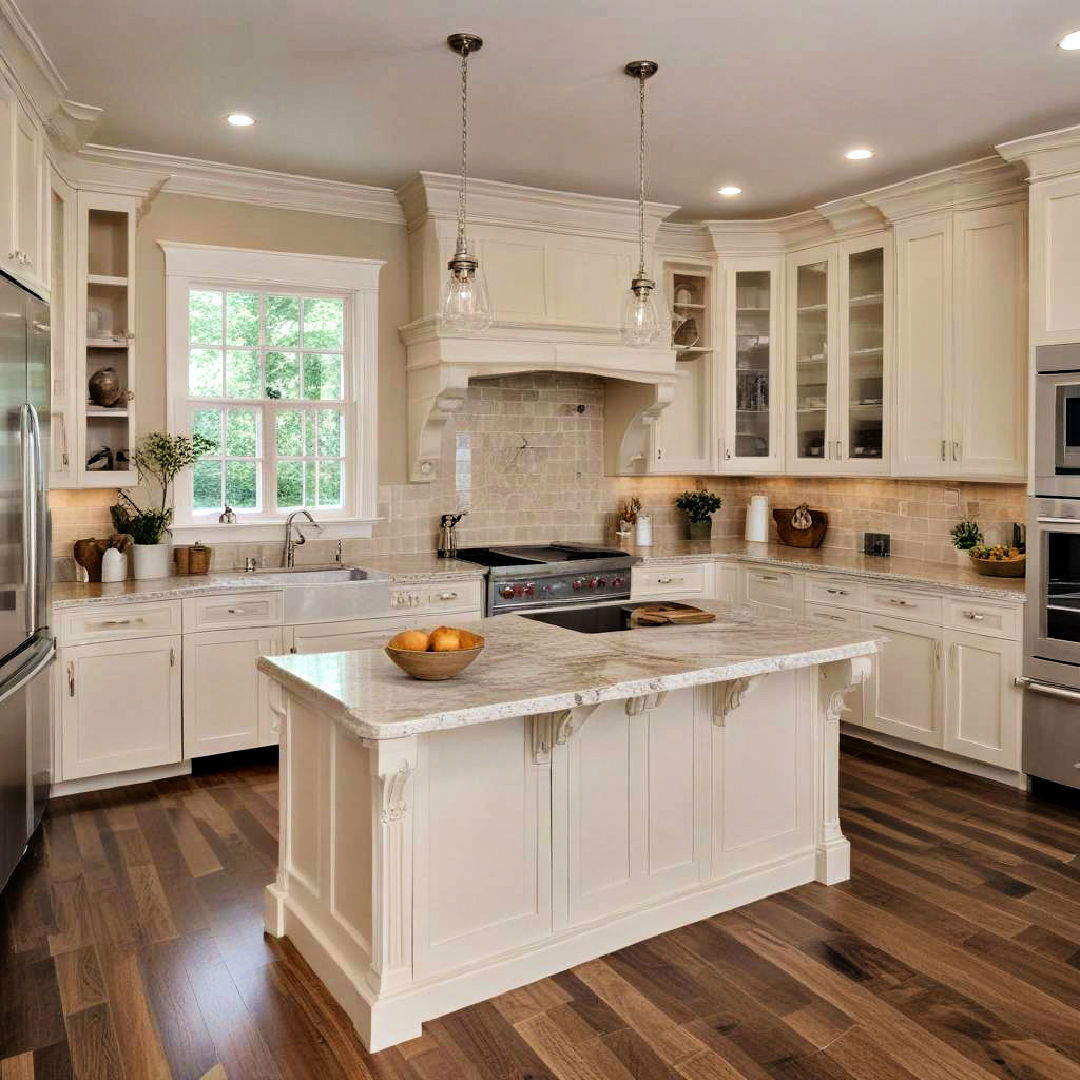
944, 444
121, 622
837, 592
172, 657
899, 603
236, 611
448, 596
973, 615
768, 577
71, 678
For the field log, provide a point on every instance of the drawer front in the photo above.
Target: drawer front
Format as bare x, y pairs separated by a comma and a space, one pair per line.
840, 592
776, 588
832, 616
113, 622
669, 579
1051, 743
232, 611
984, 617
903, 603
432, 597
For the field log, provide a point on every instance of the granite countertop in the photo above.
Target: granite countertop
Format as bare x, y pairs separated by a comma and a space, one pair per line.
400, 569
531, 667
894, 568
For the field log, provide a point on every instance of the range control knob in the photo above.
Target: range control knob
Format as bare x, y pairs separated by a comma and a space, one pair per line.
529, 588
507, 592
579, 584
601, 582
617, 582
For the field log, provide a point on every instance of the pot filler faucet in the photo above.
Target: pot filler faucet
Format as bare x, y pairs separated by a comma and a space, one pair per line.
293, 541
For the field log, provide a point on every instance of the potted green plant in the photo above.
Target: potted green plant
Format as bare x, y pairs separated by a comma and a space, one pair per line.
159, 459
966, 535
699, 507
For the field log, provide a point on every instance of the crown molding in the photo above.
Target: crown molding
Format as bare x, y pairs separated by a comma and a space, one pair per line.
494, 202
15, 24
678, 238
984, 181
139, 172
1047, 155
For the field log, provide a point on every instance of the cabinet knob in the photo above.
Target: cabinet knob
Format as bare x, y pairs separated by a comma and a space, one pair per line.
974, 615
448, 596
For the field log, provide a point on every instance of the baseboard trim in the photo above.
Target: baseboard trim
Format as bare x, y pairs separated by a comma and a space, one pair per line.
119, 779
937, 757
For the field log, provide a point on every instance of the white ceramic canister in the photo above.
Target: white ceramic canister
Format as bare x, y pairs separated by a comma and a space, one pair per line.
113, 565
643, 531
757, 519
152, 561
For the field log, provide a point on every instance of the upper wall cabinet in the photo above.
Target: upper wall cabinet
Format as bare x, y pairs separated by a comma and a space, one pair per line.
22, 193
961, 338
750, 365
1055, 269
839, 322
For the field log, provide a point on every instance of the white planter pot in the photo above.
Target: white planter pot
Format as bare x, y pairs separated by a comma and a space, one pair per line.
152, 561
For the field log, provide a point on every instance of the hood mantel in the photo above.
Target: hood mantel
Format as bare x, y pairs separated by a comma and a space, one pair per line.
557, 267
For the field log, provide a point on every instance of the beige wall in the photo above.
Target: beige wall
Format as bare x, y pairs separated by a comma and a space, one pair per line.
192, 220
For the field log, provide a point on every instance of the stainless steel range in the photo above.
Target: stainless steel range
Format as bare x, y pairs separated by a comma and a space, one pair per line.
536, 577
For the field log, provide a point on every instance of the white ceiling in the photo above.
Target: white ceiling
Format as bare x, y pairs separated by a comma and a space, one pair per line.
765, 95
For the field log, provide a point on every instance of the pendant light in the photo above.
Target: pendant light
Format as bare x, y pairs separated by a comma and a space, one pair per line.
640, 323
465, 303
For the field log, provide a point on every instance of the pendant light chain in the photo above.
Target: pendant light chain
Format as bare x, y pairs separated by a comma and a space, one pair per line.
464, 147
641, 178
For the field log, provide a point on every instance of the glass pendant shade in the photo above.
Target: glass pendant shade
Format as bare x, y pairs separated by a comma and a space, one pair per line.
465, 304
640, 324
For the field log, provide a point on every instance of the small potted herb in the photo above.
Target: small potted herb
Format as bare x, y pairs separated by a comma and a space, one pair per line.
699, 507
159, 458
966, 535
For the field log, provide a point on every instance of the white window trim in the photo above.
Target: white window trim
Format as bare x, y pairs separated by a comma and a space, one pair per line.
188, 265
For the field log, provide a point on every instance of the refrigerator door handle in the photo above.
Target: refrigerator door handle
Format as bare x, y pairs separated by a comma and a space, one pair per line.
36, 505
26, 676
30, 517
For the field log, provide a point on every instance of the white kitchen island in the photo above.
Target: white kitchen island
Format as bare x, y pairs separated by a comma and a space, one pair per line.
569, 794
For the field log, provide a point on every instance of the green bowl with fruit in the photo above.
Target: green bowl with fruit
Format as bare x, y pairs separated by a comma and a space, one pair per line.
998, 560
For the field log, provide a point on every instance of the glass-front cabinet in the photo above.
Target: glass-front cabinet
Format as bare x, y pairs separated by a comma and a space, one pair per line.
750, 431
838, 320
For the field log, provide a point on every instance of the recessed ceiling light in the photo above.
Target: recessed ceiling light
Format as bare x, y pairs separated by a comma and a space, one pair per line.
859, 154
730, 190
240, 119
1070, 42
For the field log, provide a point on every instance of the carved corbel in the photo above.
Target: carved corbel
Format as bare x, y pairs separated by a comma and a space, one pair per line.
394, 784
838, 680
554, 728
436, 394
635, 706
728, 696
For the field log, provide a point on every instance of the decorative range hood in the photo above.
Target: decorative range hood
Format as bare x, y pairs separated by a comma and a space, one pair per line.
556, 266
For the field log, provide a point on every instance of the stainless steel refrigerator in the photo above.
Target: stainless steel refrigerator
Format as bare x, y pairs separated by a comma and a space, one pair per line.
27, 647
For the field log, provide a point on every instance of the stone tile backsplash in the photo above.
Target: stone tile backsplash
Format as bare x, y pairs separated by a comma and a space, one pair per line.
526, 457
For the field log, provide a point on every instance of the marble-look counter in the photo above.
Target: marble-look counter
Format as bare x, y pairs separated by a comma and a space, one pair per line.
400, 569
530, 667
829, 560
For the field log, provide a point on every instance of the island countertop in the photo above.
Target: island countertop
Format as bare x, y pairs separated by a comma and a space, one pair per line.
530, 667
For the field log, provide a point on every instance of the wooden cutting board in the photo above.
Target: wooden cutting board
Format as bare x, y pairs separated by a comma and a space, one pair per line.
669, 613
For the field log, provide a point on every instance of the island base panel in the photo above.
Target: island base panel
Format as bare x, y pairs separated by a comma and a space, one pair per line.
418, 875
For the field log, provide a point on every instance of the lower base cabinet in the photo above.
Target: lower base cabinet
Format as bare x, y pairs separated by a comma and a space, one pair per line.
226, 701
983, 706
119, 706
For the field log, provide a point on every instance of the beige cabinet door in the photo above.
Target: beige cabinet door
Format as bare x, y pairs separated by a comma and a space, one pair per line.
226, 701
119, 706
635, 789
924, 346
682, 436
904, 698
982, 705
28, 198
1055, 270
990, 373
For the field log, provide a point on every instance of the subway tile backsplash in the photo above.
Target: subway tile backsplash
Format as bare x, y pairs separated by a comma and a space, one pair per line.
526, 457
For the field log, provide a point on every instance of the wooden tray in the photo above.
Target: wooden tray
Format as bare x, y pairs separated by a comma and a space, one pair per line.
669, 613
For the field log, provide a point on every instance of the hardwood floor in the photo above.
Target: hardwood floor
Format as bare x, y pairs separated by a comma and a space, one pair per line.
132, 948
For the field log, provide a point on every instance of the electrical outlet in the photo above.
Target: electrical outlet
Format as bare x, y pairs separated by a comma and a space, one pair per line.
952, 496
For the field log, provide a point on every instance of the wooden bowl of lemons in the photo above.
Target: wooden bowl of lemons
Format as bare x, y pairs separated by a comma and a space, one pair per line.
443, 653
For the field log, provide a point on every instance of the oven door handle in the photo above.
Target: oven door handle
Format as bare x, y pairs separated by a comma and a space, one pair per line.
1047, 689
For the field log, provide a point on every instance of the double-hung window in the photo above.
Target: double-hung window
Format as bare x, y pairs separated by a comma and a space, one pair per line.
272, 359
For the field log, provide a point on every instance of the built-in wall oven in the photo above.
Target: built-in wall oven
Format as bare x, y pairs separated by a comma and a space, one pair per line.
1057, 421
1051, 745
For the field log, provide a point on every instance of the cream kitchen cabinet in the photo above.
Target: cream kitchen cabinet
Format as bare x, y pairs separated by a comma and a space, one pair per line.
227, 702
839, 310
772, 591
344, 636
751, 437
961, 344
679, 579
119, 705
22, 191
681, 438
983, 705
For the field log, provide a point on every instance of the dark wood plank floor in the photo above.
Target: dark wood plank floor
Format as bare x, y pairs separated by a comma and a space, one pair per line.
133, 948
